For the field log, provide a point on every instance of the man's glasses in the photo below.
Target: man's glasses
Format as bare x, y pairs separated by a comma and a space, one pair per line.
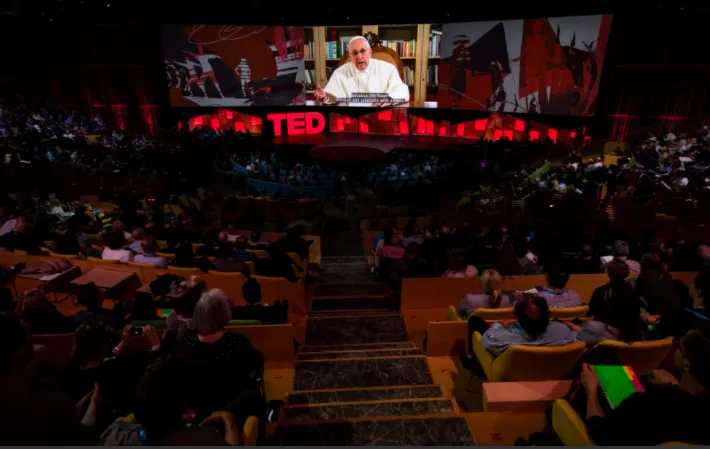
355, 53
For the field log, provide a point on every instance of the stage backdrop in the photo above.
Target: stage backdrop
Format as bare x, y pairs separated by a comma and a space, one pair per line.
545, 65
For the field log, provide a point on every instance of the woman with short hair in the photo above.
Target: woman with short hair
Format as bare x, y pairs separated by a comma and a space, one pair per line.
223, 365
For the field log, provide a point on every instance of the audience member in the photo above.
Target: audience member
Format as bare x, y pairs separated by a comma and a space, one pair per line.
555, 292
615, 310
491, 298
620, 251
149, 254
116, 247
532, 328
32, 413
678, 412
223, 364
255, 310
655, 286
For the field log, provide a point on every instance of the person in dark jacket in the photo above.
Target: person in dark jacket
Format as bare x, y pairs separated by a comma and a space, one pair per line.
655, 287
255, 310
673, 412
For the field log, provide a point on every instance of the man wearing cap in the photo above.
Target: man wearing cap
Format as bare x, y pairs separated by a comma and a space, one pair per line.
363, 75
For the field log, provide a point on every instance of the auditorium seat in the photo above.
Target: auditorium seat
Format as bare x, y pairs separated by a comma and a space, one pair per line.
642, 356
568, 426
250, 432
568, 312
528, 363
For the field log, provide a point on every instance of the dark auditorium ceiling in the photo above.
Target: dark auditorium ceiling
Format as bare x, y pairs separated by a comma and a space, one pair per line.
314, 13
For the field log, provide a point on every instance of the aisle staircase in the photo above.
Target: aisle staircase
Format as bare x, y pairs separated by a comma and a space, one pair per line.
359, 380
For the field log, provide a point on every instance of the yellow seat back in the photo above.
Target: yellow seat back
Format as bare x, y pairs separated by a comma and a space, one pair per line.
99, 261
536, 363
183, 270
505, 313
569, 312
523, 363
250, 433
568, 426
453, 315
65, 256
642, 356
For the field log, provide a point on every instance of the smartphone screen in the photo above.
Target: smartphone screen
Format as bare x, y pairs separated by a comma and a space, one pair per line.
136, 331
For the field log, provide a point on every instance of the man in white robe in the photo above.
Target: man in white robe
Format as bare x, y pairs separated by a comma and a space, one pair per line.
363, 75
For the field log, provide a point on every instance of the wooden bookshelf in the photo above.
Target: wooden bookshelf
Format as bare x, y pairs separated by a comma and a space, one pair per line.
432, 67
309, 50
407, 40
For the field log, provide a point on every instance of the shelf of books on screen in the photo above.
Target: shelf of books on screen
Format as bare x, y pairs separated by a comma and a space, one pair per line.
308, 52
432, 78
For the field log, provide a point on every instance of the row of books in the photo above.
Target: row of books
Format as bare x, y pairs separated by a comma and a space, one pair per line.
311, 77
434, 43
336, 49
308, 50
405, 49
432, 76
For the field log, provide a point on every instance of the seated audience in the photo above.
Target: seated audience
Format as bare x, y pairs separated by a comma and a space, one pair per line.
21, 238
42, 316
555, 292
532, 328
615, 309
293, 242
677, 412
255, 310
159, 417
655, 286
33, 413
92, 345
116, 247
149, 254
702, 280
460, 268
223, 364
587, 263
620, 251
491, 298
89, 296
392, 249
138, 235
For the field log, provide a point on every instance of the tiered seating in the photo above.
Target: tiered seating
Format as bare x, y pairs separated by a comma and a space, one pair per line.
427, 305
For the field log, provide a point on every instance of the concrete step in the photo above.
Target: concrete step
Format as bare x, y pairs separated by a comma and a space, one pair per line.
433, 430
356, 330
365, 394
361, 373
357, 347
385, 407
350, 289
359, 354
348, 312
355, 303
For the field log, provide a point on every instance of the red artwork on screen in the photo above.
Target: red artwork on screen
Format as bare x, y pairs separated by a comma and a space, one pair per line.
537, 66
223, 65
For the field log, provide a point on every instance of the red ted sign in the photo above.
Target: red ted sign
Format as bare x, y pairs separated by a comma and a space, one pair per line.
296, 123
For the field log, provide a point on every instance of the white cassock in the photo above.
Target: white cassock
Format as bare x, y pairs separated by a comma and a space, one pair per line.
379, 77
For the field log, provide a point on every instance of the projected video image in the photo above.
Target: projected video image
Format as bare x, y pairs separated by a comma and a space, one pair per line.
539, 66
221, 65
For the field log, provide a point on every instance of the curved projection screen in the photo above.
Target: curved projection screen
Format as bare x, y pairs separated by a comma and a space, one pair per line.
537, 66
